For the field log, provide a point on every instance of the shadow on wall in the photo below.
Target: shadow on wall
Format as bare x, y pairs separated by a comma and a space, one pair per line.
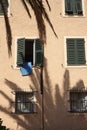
56, 115
40, 13
8, 28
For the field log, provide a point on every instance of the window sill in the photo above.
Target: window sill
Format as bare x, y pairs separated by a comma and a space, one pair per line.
2, 15
22, 113
17, 68
73, 16
77, 111
76, 66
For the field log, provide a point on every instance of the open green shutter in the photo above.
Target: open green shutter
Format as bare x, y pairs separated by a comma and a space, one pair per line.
81, 51
70, 51
78, 6
20, 51
68, 7
5, 4
38, 53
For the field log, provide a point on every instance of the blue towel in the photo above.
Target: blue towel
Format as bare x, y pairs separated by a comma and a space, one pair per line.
26, 69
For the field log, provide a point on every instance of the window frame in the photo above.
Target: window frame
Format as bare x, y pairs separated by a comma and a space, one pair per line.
8, 14
31, 38
65, 53
77, 105
73, 15
33, 102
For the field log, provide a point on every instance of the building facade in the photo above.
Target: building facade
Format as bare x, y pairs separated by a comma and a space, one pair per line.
43, 82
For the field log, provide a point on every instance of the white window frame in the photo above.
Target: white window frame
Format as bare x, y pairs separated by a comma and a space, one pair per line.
64, 15
15, 60
8, 14
65, 51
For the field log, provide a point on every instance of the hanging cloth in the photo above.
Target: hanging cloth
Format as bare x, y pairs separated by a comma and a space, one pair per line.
26, 69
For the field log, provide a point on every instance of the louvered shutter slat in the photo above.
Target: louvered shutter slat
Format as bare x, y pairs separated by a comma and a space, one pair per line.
5, 4
76, 51
78, 6
20, 51
68, 7
70, 51
81, 51
1, 11
38, 53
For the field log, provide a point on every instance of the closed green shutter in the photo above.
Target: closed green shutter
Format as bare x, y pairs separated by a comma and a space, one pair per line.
1, 11
68, 6
81, 51
38, 53
70, 51
5, 4
78, 6
73, 7
20, 51
75, 51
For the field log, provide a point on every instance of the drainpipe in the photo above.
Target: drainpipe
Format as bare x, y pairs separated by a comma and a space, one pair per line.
42, 89
42, 99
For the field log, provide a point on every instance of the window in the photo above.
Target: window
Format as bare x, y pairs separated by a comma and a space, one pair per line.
73, 7
25, 102
29, 50
4, 6
75, 51
78, 101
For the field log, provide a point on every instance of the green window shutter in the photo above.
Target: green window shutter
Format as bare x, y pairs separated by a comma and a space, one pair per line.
81, 51
38, 53
75, 51
69, 6
70, 51
78, 6
1, 11
5, 4
20, 51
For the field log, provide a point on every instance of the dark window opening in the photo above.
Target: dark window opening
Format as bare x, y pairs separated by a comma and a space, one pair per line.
29, 50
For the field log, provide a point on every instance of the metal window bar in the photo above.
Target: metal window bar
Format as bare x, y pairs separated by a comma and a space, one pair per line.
24, 102
78, 101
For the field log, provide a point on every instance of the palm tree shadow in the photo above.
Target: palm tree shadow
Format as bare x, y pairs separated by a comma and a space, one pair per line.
56, 111
40, 12
56, 105
28, 119
8, 28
